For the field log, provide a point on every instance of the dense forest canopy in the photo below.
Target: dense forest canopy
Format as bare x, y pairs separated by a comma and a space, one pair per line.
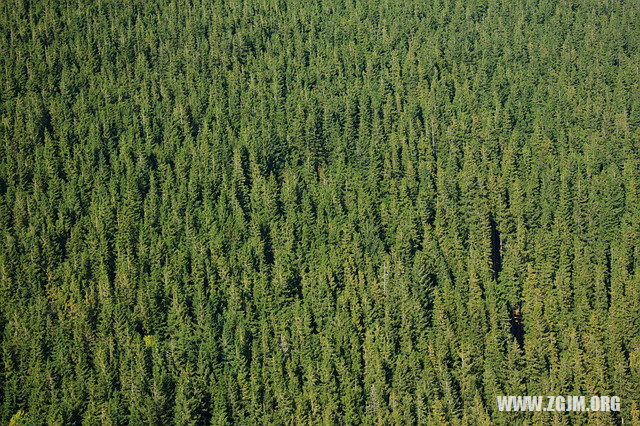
327, 212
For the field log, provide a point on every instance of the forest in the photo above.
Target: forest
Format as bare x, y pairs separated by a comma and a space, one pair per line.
328, 212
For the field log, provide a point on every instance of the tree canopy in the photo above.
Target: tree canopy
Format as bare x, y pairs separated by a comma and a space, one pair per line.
320, 212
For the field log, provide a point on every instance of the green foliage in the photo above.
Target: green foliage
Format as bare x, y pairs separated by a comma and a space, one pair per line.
360, 212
